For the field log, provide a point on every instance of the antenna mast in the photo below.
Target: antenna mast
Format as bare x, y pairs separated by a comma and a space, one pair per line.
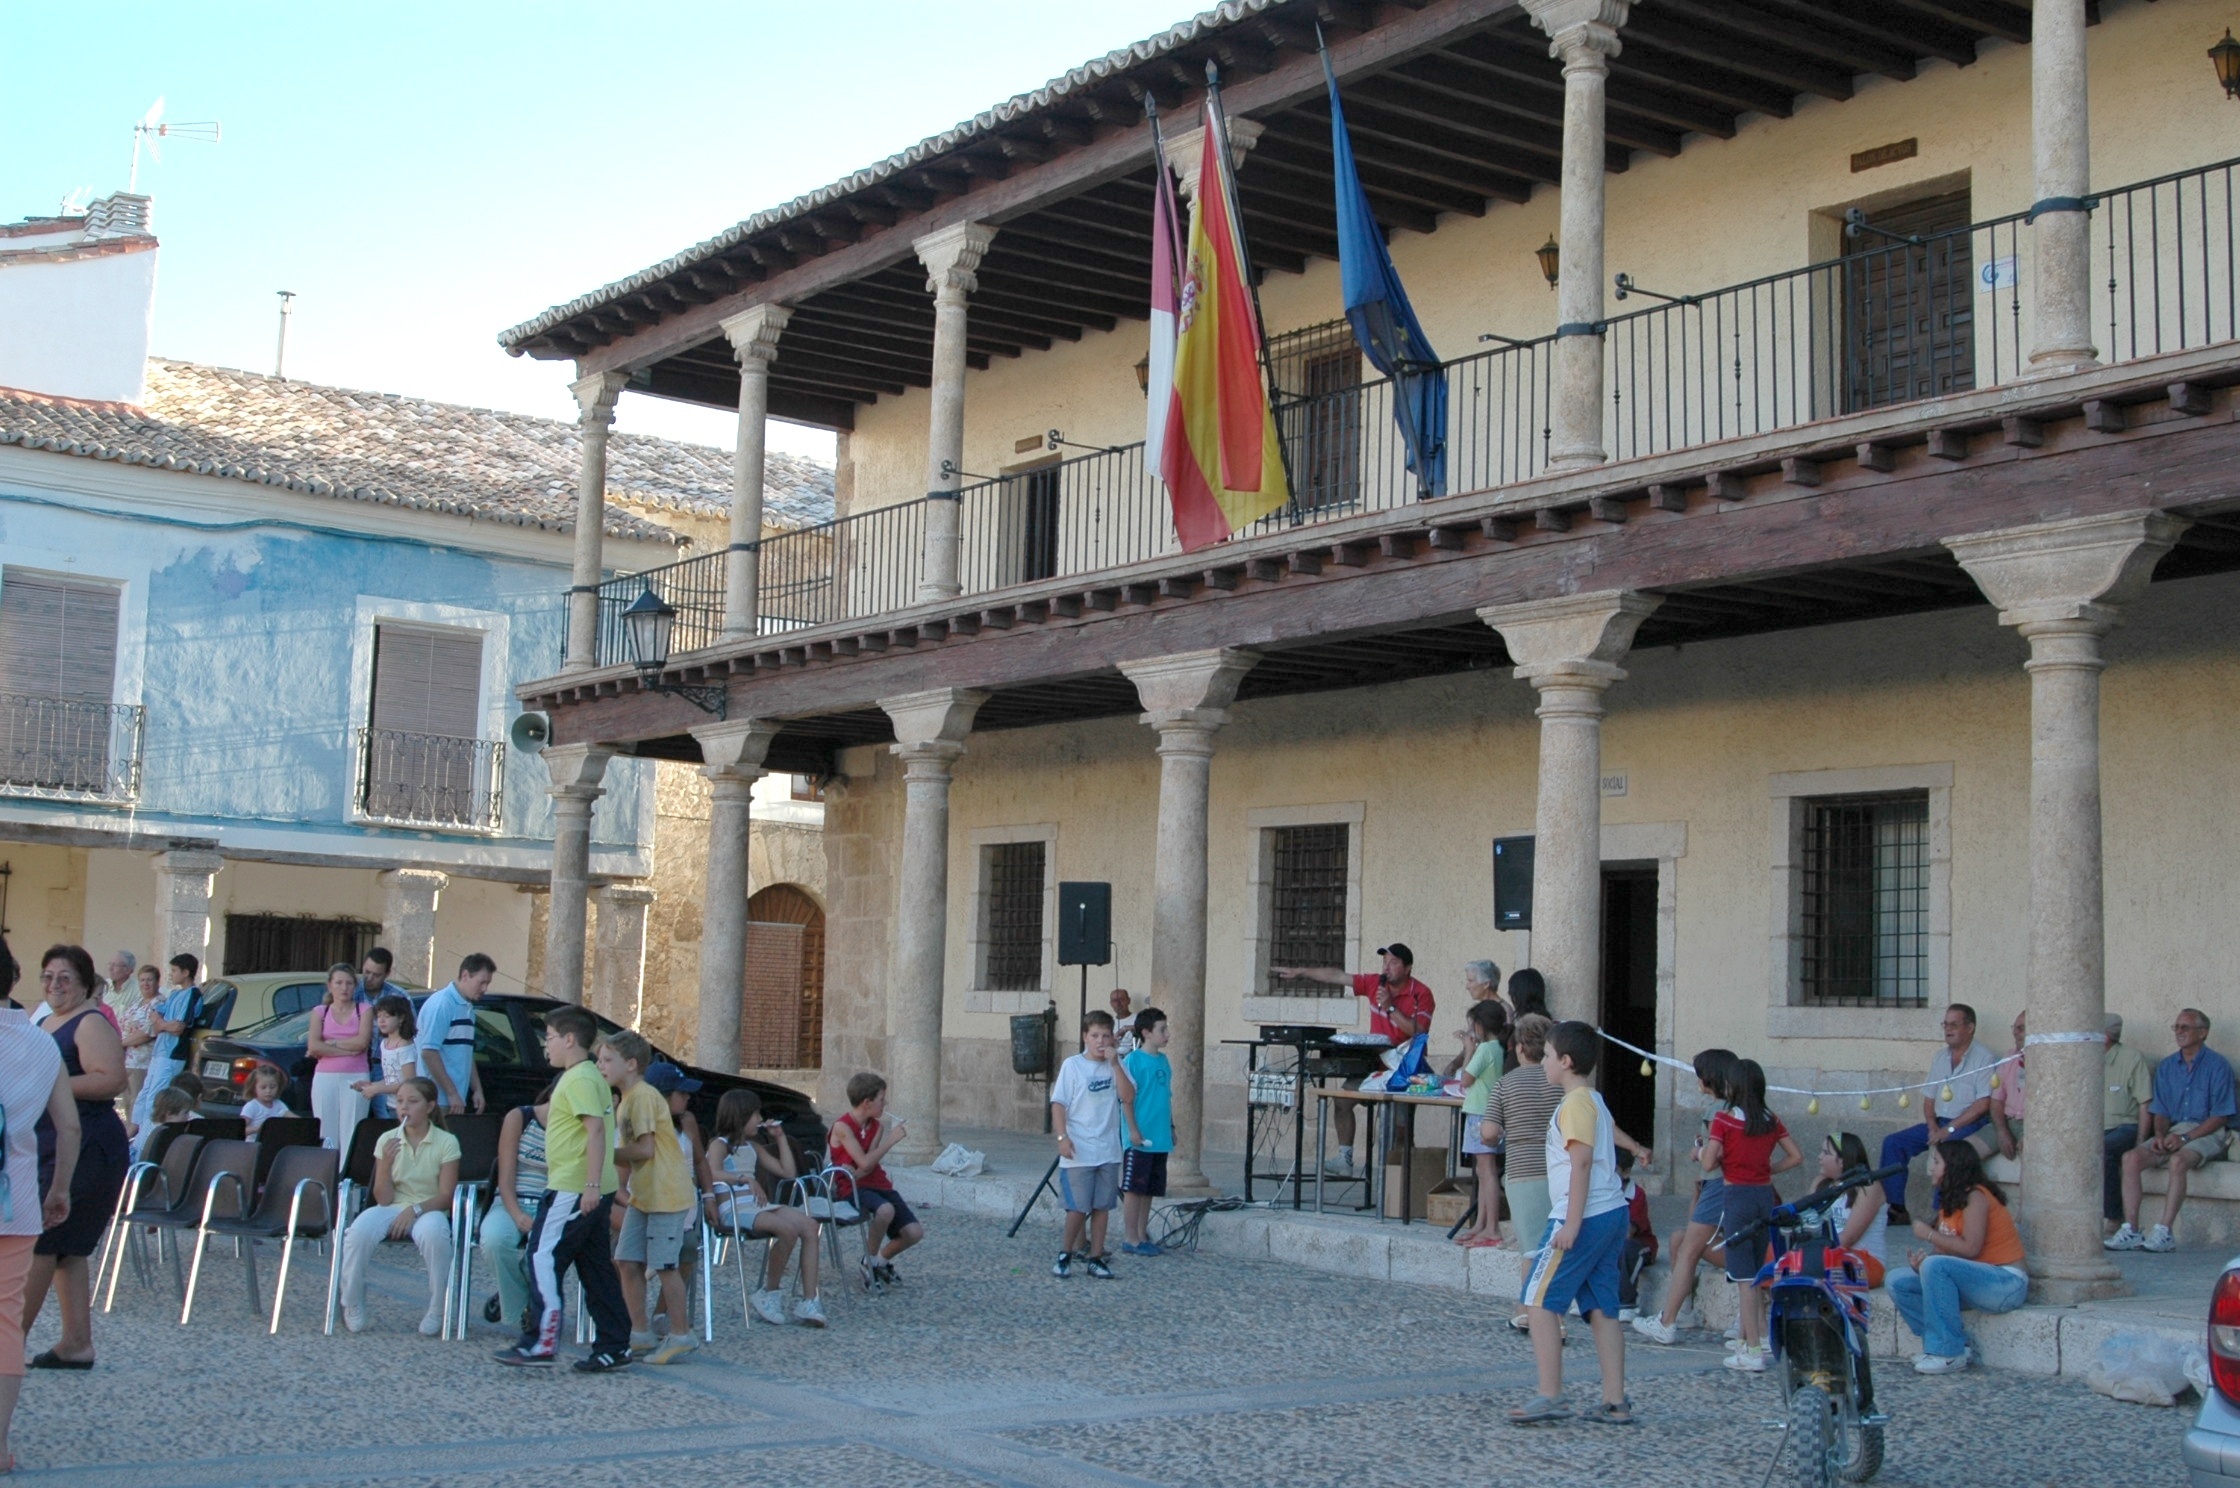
151, 128
280, 353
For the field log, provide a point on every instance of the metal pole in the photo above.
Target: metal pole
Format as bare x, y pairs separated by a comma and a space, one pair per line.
280, 352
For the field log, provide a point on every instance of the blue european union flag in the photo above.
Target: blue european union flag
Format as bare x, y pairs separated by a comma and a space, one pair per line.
1383, 321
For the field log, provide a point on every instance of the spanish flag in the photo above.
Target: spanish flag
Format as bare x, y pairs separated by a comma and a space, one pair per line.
1221, 461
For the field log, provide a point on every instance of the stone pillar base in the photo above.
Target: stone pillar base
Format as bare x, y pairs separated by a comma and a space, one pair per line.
2068, 1291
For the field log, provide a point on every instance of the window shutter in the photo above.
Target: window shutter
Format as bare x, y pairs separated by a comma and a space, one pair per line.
427, 682
58, 638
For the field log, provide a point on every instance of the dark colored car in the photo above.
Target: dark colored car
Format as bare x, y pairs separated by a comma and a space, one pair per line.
508, 1049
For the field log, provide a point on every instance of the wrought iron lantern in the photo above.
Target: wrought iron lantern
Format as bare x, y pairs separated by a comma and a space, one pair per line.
1551, 260
2226, 57
650, 626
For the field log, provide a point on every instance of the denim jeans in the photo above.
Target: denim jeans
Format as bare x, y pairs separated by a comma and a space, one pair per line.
2114, 1143
1906, 1145
1931, 1300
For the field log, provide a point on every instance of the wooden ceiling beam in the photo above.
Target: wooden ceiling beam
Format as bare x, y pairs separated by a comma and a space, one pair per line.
1434, 143
1443, 77
1095, 272
821, 365
1516, 62
1384, 184
2008, 22
1826, 38
1280, 180
1763, 61
1020, 276
871, 294
887, 329
1517, 136
1004, 301
1729, 91
1877, 20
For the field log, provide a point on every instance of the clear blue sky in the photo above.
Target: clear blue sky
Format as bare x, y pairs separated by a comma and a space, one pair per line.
423, 175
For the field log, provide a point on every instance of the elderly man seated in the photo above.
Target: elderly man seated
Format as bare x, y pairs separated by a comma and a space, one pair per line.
1957, 1102
2192, 1114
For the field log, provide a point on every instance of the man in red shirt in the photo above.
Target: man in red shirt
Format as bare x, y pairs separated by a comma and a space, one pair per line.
1400, 1007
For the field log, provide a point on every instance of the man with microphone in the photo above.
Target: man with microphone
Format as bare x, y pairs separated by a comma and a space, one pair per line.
1400, 1007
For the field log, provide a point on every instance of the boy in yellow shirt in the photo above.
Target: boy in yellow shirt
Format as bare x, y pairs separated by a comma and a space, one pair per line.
659, 1192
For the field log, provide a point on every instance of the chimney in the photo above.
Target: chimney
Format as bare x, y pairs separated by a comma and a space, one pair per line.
121, 215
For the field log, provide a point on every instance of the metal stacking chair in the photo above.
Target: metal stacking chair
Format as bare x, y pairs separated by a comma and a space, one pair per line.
350, 1197
219, 1128
278, 1134
297, 1204
478, 1169
718, 1242
817, 1197
151, 1185
220, 1168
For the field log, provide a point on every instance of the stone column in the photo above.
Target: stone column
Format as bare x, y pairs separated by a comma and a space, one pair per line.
929, 730
950, 256
408, 922
618, 975
1185, 699
1583, 35
183, 878
731, 757
595, 396
2061, 166
754, 340
2063, 585
1568, 649
576, 772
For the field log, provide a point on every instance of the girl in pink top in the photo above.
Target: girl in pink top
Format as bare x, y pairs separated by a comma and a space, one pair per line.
340, 1031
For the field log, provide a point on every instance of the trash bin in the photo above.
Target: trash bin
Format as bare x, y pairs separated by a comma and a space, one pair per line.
1030, 1043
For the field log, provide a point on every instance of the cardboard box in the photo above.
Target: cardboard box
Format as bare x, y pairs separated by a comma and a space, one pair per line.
1427, 1170
1450, 1199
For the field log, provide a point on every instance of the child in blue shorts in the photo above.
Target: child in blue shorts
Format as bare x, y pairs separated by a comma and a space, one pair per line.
1580, 1255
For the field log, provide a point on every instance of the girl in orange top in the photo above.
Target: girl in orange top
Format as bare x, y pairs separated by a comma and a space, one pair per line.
1976, 1260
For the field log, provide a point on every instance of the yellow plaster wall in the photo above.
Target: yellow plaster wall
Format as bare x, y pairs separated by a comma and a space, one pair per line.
1720, 213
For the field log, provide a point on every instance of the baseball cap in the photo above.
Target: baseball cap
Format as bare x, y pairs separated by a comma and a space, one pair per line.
669, 1079
1397, 949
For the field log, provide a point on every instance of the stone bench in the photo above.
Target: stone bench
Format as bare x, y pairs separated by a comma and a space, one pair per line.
2212, 1212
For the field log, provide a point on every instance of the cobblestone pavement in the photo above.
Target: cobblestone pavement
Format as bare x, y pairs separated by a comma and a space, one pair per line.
982, 1368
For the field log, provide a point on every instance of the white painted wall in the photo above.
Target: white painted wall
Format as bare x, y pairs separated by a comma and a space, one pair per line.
78, 328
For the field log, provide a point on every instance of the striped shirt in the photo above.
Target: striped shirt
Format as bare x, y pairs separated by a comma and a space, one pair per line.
1524, 1103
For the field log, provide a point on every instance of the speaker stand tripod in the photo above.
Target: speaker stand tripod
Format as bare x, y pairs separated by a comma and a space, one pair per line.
1050, 1174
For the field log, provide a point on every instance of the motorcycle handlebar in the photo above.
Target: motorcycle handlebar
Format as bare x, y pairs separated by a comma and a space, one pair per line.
1818, 1200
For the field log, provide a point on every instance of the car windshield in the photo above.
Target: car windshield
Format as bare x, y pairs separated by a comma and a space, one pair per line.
283, 1028
535, 1015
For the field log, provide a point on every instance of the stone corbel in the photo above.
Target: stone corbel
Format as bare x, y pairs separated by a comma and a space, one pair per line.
938, 720
2080, 571
1580, 26
734, 750
1191, 689
577, 770
1578, 636
952, 257
596, 396
754, 332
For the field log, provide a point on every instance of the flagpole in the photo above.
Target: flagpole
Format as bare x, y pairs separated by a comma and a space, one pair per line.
1251, 279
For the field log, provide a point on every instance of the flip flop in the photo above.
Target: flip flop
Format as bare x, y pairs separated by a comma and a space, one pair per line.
1485, 1242
52, 1360
1538, 1411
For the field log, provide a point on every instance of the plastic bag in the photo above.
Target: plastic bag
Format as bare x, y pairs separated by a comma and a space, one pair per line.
1412, 1063
2144, 1368
959, 1161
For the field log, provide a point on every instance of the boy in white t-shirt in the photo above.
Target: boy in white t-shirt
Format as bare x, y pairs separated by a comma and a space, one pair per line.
1580, 1254
1085, 1117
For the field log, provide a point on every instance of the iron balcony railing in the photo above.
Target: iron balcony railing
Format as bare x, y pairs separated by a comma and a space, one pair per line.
431, 780
70, 749
1897, 318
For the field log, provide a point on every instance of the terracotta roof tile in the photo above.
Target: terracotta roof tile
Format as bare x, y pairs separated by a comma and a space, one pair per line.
396, 451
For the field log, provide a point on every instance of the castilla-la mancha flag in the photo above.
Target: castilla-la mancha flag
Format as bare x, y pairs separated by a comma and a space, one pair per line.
1220, 460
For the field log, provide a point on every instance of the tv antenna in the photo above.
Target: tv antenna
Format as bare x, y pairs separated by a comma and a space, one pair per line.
151, 130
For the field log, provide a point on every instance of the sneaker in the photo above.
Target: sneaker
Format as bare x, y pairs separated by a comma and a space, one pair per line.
1750, 1360
809, 1312
353, 1318
2160, 1240
644, 1343
525, 1358
1063, 1266
1340, 1166
603, 1363
2125, 1238
868, 1274
1656, 1330
1100, 1267
770, 1306
1628, 1314
1522, 1322
887, 1273
673, 1348
432, 1323
1940, 1364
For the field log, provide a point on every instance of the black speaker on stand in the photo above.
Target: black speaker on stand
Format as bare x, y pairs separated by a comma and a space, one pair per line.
1084, 940
1512, 883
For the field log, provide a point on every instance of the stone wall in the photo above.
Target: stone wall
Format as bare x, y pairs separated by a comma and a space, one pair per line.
862, 839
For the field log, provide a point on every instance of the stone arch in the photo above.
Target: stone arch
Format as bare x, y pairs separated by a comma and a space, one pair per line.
782, 1014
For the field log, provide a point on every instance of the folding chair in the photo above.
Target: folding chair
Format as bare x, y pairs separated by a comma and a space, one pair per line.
219, 1167
297, 1204
169, 1161
478, 1169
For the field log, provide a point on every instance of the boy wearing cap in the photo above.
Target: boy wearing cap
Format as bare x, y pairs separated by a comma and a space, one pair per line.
1400, 1007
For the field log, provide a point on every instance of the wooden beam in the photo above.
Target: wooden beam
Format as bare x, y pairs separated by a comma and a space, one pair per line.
1404, 35
1443, 187
1715, 85
1905, 33
1523, 62
1998, 18
1770, 64
1823, 39
1444, 75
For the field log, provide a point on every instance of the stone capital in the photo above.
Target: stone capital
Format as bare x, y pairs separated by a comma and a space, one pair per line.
952, 255
1186, 151
422, 882
1576, 639
2071, 575
1190, 682
577, 770
624, 895
754, 333
1580, 32
941, 716
733, 750
596, 395
189, 862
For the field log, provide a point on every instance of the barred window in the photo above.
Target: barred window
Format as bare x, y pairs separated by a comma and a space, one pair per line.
1865, 909
1012, 873
1307, 903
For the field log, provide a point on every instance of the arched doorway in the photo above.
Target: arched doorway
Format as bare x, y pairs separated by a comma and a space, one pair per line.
782, 1021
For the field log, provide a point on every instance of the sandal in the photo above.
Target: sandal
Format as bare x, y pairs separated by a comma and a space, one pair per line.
1606, 1414
52, 1360
1538, 1411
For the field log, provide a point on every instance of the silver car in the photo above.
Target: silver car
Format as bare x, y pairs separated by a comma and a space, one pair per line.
2212, 1447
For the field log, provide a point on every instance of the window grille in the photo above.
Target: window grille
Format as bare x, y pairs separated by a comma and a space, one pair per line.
1307, 909
1866, 901
1305, 361
1013, 878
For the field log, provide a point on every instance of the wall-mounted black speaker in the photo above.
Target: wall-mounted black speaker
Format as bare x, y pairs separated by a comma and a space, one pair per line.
1084, 924
1512, 883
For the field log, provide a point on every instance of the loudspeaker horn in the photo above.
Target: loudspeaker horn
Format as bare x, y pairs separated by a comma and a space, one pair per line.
530, 733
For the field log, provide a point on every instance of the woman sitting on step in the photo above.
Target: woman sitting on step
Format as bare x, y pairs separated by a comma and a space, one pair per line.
1976, 1260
